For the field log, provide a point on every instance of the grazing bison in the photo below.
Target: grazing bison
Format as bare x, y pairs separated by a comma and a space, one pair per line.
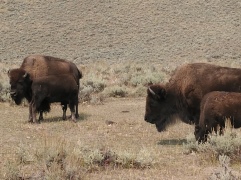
216, 107
39, 66
44, 90
182, 95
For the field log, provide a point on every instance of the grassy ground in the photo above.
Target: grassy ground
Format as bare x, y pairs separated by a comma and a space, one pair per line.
57, 149
111, 139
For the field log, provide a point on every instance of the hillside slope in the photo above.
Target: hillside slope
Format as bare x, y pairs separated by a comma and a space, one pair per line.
87, 31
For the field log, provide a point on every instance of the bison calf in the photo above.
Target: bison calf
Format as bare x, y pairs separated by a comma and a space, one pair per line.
48, 89
216, 107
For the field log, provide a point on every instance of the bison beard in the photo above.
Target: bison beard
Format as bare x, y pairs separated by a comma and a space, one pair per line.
182, 95
17, 98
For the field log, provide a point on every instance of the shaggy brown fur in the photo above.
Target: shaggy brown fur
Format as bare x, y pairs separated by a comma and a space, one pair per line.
42, 91
39, 66
216, 107
53, 88
183, 93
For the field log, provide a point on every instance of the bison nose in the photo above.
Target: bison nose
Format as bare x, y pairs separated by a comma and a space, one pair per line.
147, 119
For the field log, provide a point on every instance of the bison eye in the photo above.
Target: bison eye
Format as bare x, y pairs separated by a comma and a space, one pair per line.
153, 103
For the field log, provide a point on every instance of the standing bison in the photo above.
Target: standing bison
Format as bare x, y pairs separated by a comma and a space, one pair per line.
45, 90
216, 107
39, 66
182, 95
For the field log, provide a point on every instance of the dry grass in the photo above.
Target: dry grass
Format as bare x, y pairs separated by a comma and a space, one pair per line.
101, 80
110, 141
128, 148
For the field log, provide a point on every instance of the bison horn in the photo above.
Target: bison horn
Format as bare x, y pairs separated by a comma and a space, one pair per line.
151, 91
25, 75
12, 93
9, 73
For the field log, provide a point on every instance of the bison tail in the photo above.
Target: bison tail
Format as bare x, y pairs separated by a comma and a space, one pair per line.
80, 74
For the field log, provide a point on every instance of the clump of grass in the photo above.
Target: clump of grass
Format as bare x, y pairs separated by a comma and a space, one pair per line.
119, 80
11, 170
139, 160
4, 92
57, 159
140, 74
224, 171
124, 159
228, 144
22, 155
97, 83
115, 91
138, 91
145, 78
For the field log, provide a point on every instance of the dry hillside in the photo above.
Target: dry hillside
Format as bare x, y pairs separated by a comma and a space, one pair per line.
85, 31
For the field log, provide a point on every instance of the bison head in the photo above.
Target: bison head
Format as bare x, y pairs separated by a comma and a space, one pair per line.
200, 134
20, 83
159, 107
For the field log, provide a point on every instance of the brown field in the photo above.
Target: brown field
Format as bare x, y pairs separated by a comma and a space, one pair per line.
161, 155
120, 46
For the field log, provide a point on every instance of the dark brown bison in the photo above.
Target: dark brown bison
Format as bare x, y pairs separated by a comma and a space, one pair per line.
216, 107
39, 66
45, 90
182, 95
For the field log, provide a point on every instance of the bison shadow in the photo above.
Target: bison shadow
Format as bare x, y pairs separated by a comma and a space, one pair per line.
172, 142
82, 117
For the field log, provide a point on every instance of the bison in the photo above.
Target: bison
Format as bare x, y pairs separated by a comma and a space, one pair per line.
182, 95
216, 107
45, 90
39, 66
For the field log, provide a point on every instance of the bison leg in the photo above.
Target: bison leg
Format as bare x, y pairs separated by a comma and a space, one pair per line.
40, 116
64, 108
72, 109
32, 111
30, 119
76, 112
34, 108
